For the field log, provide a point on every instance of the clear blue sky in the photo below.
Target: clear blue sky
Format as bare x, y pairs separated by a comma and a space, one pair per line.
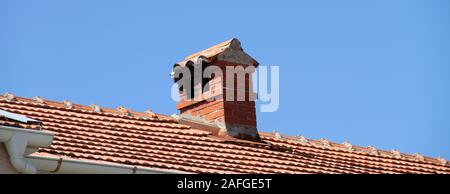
371, 72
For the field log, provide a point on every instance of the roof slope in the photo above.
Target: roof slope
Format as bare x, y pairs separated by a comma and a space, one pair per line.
158, 141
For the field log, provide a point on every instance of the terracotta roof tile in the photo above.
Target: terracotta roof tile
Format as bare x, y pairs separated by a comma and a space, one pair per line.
152, 140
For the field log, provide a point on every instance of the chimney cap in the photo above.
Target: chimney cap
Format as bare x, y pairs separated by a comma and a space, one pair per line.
221, 51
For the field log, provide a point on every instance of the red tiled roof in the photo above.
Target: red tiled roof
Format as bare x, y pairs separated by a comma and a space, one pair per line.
158, 141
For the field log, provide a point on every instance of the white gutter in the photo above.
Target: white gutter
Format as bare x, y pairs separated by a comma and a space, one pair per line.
19, 141
47, 164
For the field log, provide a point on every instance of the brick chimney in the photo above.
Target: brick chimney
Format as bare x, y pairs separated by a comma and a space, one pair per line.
225, 99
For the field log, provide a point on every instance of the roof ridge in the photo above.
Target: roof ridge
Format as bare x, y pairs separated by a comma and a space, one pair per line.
346, 146
105, 111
